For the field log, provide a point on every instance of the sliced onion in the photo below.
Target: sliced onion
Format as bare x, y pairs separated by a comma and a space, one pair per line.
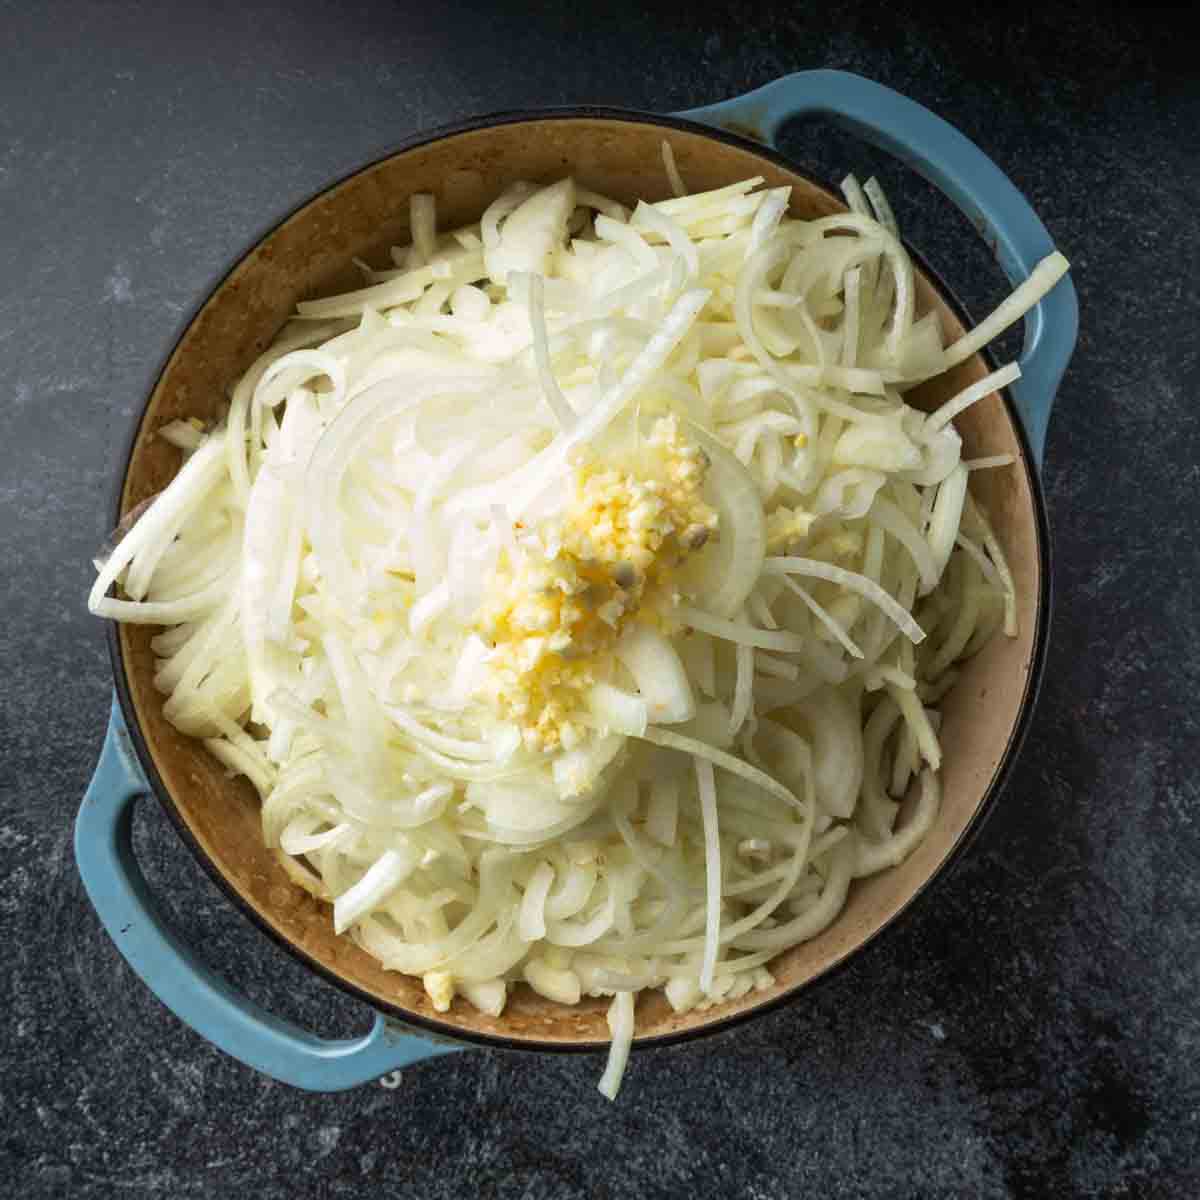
673, 176
946, 517
532, 921
343, 558
739, 632
871, 857
712, 871
848, 579
659, 674
618, 711
726, 569
621, 1026
728, 762
889, 518
672, 233
969, 395
386, 874
564, 414
824, 617
1045, 275
158, 525
662, 814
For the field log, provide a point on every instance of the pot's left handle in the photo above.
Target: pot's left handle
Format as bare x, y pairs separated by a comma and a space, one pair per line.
121, 896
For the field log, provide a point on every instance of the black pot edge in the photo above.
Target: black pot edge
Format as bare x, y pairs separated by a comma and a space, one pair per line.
445, 1031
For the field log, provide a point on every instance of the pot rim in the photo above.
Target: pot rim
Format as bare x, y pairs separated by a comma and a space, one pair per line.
446, 1031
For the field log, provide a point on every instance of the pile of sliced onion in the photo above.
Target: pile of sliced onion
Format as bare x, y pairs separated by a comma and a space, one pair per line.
318, 562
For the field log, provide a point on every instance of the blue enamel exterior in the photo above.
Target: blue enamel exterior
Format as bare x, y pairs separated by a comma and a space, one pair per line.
103, 831
119, 893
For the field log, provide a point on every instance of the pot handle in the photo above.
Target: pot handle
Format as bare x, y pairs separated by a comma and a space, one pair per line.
198, 997
954, 164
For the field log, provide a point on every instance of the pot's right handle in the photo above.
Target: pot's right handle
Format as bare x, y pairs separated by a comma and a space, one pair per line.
119, 893
954, 164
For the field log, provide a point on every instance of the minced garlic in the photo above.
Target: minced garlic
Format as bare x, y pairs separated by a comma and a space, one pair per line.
551, 617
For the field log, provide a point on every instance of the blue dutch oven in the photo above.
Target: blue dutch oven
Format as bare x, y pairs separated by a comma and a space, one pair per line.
617, 151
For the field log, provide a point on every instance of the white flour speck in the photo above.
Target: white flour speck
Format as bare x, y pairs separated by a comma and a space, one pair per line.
118, 287
328, 1137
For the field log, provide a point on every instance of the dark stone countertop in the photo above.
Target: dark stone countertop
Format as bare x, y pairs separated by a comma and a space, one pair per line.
1032, 1030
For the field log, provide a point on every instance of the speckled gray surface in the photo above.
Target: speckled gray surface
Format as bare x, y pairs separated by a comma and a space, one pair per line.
1033, 1028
